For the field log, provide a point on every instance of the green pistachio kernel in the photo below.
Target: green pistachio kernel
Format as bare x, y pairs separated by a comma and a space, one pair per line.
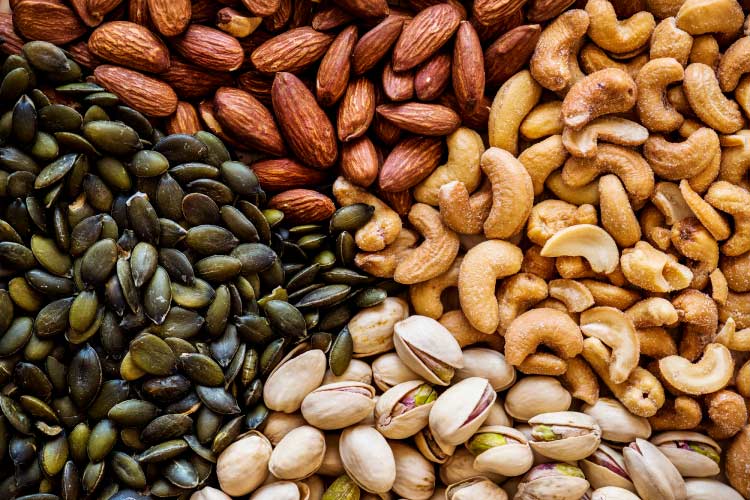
569, 470
484, 441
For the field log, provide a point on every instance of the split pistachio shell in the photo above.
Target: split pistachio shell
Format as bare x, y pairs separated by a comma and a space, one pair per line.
432, 448
613, 493
694, 454
282, 490
243, 465
403, 410
616, 422
299, 454
372, 328
710, 489
415, 475
473, 488
489, 364
428, 349
209, 493
461, 410
565, 435
501, 450
606, 467
533, 395
357, 371
460, 466
338, 405
388, 370
288, 385
367, 458
553, 480
654, 476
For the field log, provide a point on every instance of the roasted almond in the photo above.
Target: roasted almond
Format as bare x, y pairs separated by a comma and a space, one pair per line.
184, 120
432, 77
418, 5
489, 12
399, 201
262, 8
359, 161
398, 86
424, 35
143, 93
258, 84
208, 117
170, 17
11, 42
130, 45
97, 9
279, 174
292, 50
468, 68
334, 69
509, 53
247, 119
278, 19
413, 159
203, 11
302, 14
191, 82
81, 8
79, 52
138, 12
328, 18
492, 32
356, 110
544, 10
47, 20
364, 8
421, 118
302, 206
210, 48
374, 44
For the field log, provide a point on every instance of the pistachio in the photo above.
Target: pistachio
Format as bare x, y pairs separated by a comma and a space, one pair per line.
475, 487
460, 411
694, 454
243, 465
500, 450
415, 475
616, 422
489, 364
367, 458
432, 448
606, 467
613, 493
388, 370
709, 489
533, 395
288, 385
343, 488
652, 473
372, 328
338, 405
428, 348
403, 410
565, 436
299, 454
553, 480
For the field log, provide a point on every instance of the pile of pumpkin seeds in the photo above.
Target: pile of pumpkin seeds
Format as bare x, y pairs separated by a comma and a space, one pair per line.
145, 293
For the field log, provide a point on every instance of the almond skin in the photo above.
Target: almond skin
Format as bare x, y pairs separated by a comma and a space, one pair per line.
398, 86
329, 18
509, 53
544, 10
409, 163
208, 116
279, 174
79, 52
359, 161
100, 8
248, 120
291, 51
334, 70
356, 110
424, 35
257, 83
210, 48
305, 126
138, 12
301, 206
262, 8
184, 120
130, 45
170, 17
82, 9
192, 82
364, 8
374, 44
421, 118
489, 12
468, 68
278, 19
143, 93
432, 77
11, 42
47, 20
489, 34
399, 201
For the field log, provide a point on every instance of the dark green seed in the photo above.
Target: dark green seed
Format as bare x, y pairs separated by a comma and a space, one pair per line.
24, 120
218, 268
14, 84
256, 416
201, 369
15, 415
92, 476
187, 172
181, 473
148, 164
341, 352
217, 314
16, 336
340, 275
101, 441
163, 451
32, 380
153, 355
45, 147
143, 218
254, 328
55, 171
169, 195
253, 393
346, 248
128, 470
209, 240
83, 310
225, 347
199, 449
271, 356
285, 318
370, 297
181, 148
60, 118
218, 400
17, 255
112, 137
45, 56
158, 298
84, 376
98, 261
239, 224
70, 481
166, 427
78, 439
325, 296
199, 209
112, 393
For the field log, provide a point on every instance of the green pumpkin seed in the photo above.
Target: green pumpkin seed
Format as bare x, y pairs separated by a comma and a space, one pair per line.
218, 268
225, 347
17, 255
24, 296
271, 356
217, 314
78, 440
15, 415
70, 481
166, 427
55, 171
38, 409
256, 417
153, 355
31, 379
370, 297
285, 318
209, 240
84, 376
187, 172
341, 352
199, 295
16, 336
133, 413
199, 209
325, 296
143, 218
60, 118
158, 297
217, 400
254, 328
45, 56
14, 84
180, 322
171, 233
181, 148
92, 476
24, 120
83, 310
217, 152
98, 261
128, 470
201, 369
207, 424
199, 449
340, 275
112, 137
45, 147
163, 451
114, 173
239, 224
112, 393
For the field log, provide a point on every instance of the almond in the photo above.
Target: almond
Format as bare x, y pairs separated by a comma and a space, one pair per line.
262, 8
171, 17
305, 126
293, 50
356, 110
364, 8
100, 8
544, 10
409, 163
130, 45
302, 14
468, 68
81, 8
386, 131
184, 120
359, 161
203, 11
334, 70
398, 86
278, 19
374, 44
302, 206
399, 201
421, 118
418, 5
424, 35
510, 53
248, 120
432, 77
11, 42
329, 18
208, 117
47, 20
210, 48
138, 12
491, 33
258, 84
191, 82
79, 52
489, 12
143, 93
279, 174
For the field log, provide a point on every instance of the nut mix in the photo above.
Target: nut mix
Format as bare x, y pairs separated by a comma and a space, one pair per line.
534, 285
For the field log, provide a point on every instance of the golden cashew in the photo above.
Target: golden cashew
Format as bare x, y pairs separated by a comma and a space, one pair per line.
480, 270
573, 267
719, 286
737, 308
550, 216
550, 63
736, 340
689, 126
641, 393
712, 220
701, 316
650, 269
707, 100
656, 342
618, 217
682, 160
466, 335
516, 295
462, 212
710, 16
668, 199
701, 182
663, 8
634, 172
727, 414
434, 255
735, 201
465, 148
512, 193
534, 263
542, 121
737, 272
603, 92
653, 227
656, 112
668, 40
606, 294
385, 224
710, 374
573, 294
555, 329
733, 64
584, 240
737, 462
693, 241
425, 296
611, 129
513, 101
735, 162
579, 195
581, 381
594, 59
653, 311
617, 332
677, 98
543, 158
705, 51
618, 36
682, 414
742, 94
383, 263
742, 380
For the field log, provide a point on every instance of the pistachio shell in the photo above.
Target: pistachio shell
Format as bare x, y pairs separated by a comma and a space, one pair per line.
567, 449
652, 473
489, 364
616, 422
510, 459
288, 385
552, 483
338, 405
475, 487
415, 475
372, 328
461, 410
299, 454
388, 370
689, 462
460, 466
357, 371
533, 395
600, 467
281, 490
402, 424
367, 458
710, 489
243, 465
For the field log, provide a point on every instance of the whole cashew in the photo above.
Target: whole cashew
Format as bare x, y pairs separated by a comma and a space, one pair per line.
543, 158
594, 59
513, 101
683, 414
618, 217
461, 212
737, 462
705, 50
584, 240
668, 40
512, 193
682, 160
706, 214
735, 162
693, 241
707, 100
701, 316
733, 64
600, 93
542, 121
727, 414
737, 272
425, 296
550, 63
587, 193
734, 200
710, 374
613, 129
667, 198
606, 294
737, 308
615, 330
480, 269
467, 335
581, 381
654, 110
618, 36
712, 16
383, 263
702, 181
434, 255
516, 295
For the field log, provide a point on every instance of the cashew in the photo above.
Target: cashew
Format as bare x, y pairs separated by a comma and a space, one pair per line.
735, 162
667, 198
585, 240
581, 381
734, 63
737, 307
542, 121
719, 286
701, 316
480, 269
683, 414
668, 40
710, 16
534, 263
710, 374
618, 36
693, 241
706, 214
737, 462
618, 217
653, 227
572, 267
465, 148
677, 98
736, 340
682, 160
708, 102
737, 272
434, 255
689, 126
600, 93
653, 311
573, 294
425, 296
615, 330
663, 8
634, 172
705, 50
550, 63
641, 393
607, 128
555, 329
465, 334
383, 263
513, 101
594, 59
735, 201
543, 158
512, 193
550, 216
654, 110
656, 342
742, 94
652, 270
516, 295
585, 194
742, 380
385, 224
606, 294
727, 414
701, 182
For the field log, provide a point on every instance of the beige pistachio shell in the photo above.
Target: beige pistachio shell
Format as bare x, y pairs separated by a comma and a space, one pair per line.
461, 410
616, 422
489, 364
555, 487
388, 370
600, 476
371, 329
654, 476
512, 459
288, 385
432, 448
282, 490
690, 463
243, 465
209, 493
332, 465
533, 395
475, 488
419, 338
460, 466
338, 405
710, 489
497, 415
316, 486
404, 425
299, 454
357, 371
572, 448
613, 493
278, 424
367, 458
415, 475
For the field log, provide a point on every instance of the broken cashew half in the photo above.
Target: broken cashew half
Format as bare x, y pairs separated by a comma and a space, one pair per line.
616, 330
550, 63
383, 263
580, 381
710, 374
585, 240
682, 160
573, 294
542, 121
736, 340
612, 129
652, 270
683, 414
587, 193
465, 334
668, 40
603, 92
705, 213
701, 318
653, 311
512, 193
550, 216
